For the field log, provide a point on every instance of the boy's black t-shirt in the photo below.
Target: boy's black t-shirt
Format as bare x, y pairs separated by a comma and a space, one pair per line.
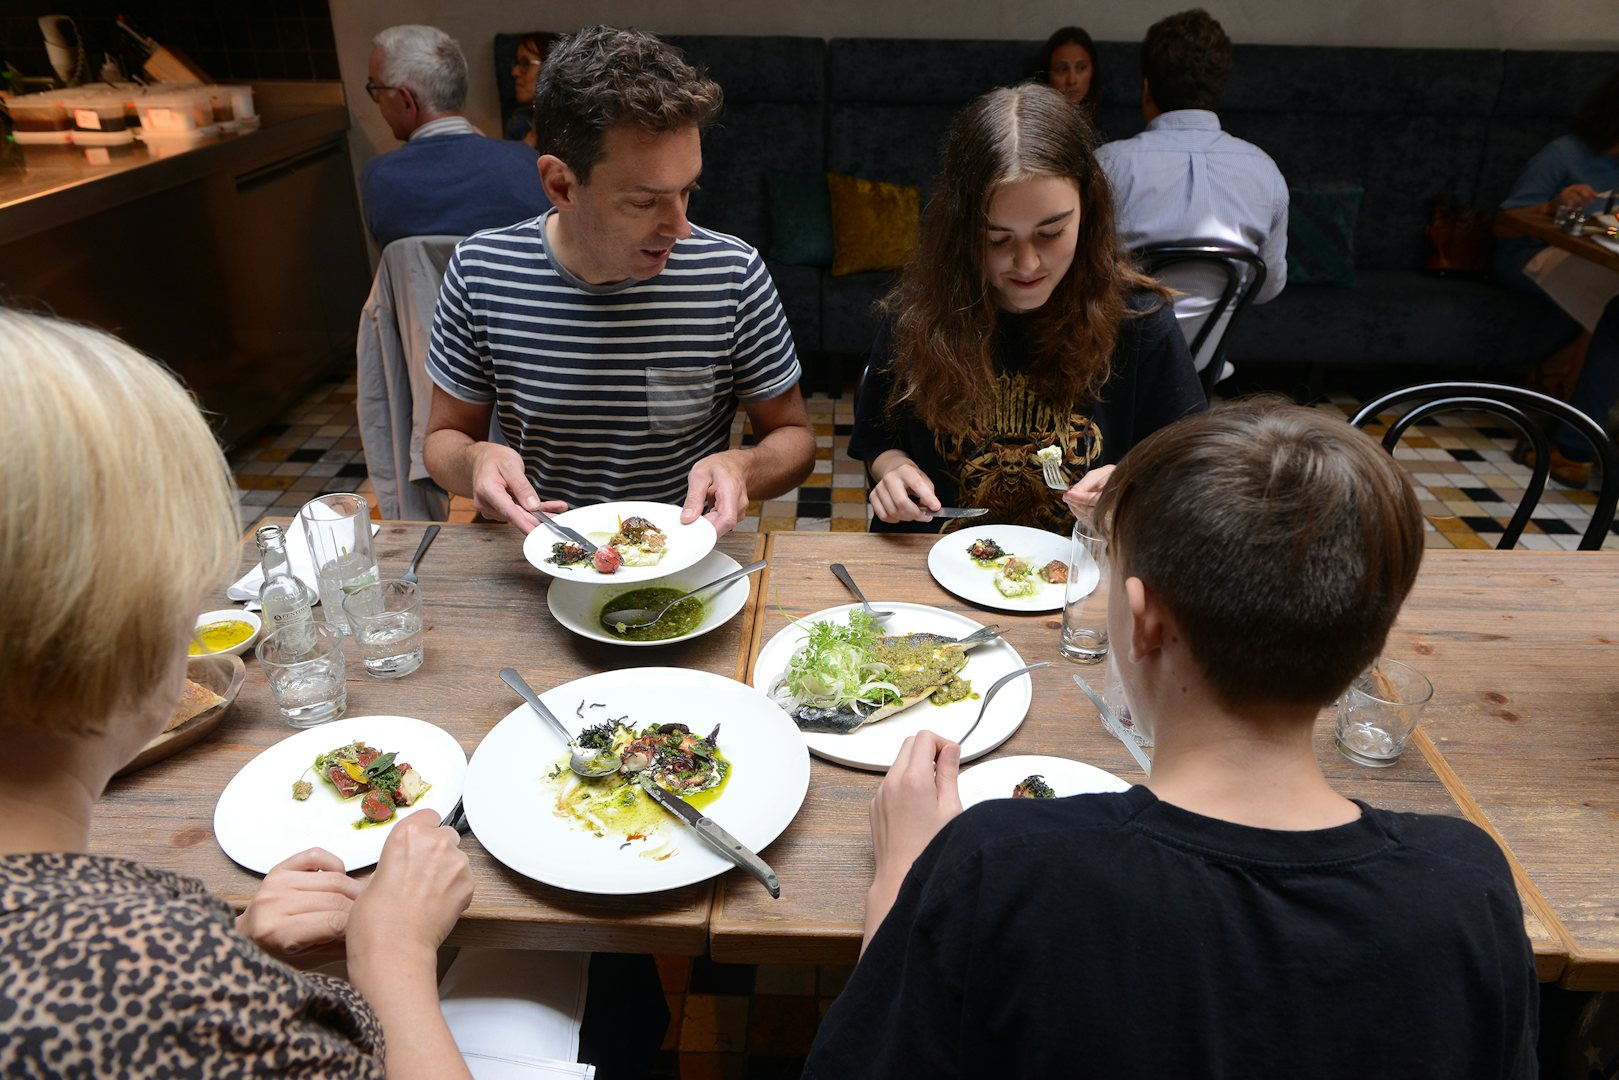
1118, 935
1152, 384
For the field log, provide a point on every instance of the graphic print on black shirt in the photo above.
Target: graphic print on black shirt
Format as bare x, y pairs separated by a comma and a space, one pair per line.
997, 467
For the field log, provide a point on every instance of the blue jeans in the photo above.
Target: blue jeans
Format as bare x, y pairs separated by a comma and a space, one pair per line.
1598, 385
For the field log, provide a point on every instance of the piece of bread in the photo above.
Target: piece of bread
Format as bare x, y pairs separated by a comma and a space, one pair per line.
195, 700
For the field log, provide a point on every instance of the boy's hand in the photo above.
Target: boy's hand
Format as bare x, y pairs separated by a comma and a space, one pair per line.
917, 798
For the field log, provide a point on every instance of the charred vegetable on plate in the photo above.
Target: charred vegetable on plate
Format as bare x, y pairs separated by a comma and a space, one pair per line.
1033, 787
672, 755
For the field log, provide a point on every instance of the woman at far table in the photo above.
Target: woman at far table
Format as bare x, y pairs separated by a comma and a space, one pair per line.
117, 518
531, 50
1580, 169
1068, 65
1018, 324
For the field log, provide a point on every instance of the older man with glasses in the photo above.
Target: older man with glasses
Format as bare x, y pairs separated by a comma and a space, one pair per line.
448, 179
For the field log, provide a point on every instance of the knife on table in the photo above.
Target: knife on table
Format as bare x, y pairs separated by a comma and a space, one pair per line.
716, 837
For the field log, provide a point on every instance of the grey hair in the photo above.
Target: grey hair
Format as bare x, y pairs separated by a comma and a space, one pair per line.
426, 61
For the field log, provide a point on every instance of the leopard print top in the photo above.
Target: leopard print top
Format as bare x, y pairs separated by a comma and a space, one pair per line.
110, 969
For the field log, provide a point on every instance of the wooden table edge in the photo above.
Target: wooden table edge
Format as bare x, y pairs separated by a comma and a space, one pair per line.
1550, 965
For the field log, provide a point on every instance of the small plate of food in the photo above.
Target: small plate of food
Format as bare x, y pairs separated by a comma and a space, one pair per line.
579, 605
212, 683
856, 690
635, 541
1033, 776
1007, 567
339, 786
717, 743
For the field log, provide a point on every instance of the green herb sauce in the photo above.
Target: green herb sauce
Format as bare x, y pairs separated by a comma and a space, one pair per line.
679, 620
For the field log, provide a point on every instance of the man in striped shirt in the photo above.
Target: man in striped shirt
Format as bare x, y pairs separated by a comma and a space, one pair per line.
611, 338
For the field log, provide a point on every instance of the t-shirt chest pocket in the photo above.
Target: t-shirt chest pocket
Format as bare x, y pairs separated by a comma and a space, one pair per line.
680, 400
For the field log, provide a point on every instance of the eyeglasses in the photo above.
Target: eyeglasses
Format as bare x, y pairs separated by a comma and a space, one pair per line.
527, 63
372, 88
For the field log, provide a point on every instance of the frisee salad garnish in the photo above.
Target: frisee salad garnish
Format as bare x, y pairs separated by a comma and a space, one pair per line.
836, 666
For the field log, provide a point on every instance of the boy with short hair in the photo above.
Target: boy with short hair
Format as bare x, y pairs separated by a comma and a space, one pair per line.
1235, 916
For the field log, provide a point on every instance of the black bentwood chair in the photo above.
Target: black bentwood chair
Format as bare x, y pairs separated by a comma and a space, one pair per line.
1230, 276
1514, 404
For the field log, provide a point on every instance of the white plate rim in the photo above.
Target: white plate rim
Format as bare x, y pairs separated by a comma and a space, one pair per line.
1018, 766
788, 780
1006, 713
723, 606
363, 848
943, 556
688, 544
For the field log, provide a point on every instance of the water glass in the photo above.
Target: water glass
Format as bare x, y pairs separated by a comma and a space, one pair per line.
338, 528
1118, 703
1379, 711
304, 664
386, 621
1084, 610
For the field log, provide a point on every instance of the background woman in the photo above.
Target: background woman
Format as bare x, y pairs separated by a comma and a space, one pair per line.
107, 967
1018, 323
1580, 169
1068, 65
531, 50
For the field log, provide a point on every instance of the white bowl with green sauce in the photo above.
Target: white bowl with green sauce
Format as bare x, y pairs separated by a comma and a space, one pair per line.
578, 605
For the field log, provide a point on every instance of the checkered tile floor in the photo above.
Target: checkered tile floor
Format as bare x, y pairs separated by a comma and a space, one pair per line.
744, 1021
1461, 465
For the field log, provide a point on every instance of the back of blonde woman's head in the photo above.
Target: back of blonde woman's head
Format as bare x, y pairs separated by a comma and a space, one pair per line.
117, 514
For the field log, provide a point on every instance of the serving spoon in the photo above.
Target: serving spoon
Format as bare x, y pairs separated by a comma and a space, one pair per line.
633, 618
588, 765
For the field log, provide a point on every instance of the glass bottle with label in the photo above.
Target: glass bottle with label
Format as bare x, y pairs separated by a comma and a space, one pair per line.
285, 599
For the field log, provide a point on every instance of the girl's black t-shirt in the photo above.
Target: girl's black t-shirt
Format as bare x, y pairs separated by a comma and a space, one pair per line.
993, 466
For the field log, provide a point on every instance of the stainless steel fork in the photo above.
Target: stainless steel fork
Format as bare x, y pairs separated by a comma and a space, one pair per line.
1052, 472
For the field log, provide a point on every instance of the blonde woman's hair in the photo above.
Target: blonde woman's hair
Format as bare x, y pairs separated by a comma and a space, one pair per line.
117, 515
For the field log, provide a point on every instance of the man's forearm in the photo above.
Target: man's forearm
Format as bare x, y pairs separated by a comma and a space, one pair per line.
448, 455
780, 461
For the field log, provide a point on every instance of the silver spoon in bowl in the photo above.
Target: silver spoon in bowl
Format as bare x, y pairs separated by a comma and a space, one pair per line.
634, 618
589, 765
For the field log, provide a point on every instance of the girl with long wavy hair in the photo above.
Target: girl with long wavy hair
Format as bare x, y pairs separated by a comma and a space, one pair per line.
1018, 324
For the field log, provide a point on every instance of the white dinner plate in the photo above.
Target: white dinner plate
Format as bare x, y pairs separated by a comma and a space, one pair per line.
876, 746
578, 605
687, 543
258, 823
953, 568
996, 779
509, 800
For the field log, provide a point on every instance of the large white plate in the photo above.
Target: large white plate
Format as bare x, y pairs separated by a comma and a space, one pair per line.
876, 746
578, 605
951, 567
508, 799
996, 779
687, 543
258, 822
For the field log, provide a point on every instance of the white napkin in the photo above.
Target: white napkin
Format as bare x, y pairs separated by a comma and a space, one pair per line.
303, 567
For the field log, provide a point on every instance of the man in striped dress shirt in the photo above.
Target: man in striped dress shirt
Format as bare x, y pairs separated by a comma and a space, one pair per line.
610, 337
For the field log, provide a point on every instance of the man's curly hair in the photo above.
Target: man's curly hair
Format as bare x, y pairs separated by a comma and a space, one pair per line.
1186, 59
600, 77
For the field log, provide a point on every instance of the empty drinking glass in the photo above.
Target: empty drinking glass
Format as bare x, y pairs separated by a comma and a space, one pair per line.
1379, 711
304, 663
386, 621
338, 528
1084, 611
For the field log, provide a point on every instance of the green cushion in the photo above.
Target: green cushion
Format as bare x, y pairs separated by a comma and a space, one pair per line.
1321, 234
800, 218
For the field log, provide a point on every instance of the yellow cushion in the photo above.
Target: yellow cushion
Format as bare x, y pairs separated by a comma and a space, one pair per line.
874, 225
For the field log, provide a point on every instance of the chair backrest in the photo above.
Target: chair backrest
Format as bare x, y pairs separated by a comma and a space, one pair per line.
1219, 280
1514, 404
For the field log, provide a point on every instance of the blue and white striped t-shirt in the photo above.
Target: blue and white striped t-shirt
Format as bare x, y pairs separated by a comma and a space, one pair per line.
610, 391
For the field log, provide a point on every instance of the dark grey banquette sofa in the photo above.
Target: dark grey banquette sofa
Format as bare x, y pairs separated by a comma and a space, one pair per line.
1406, 125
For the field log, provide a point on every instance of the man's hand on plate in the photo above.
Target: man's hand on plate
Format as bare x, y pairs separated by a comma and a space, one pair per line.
501, 491
721, 481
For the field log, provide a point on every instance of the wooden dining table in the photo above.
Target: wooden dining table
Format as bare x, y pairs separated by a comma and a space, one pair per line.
1521, 738
483, 608
1528, 221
